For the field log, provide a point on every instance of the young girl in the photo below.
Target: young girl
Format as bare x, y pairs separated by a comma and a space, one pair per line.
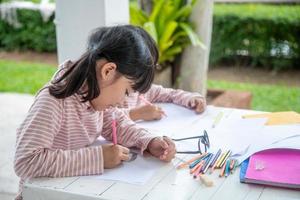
68, 114
139, 109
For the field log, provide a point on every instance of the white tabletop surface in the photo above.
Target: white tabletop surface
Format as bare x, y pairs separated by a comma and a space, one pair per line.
167, 183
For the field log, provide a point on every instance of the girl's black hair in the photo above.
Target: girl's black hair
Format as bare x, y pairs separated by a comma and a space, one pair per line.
131, 48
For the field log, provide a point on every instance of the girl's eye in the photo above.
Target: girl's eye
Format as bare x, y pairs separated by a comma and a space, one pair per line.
126, 93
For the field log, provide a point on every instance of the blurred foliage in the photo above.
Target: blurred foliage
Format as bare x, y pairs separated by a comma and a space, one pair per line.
257, 35
168, 24
243, 34
34, 33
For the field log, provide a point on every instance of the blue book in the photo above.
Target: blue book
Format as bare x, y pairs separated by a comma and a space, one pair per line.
244, 167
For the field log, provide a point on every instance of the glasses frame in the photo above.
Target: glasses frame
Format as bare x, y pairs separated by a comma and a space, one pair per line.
204, 139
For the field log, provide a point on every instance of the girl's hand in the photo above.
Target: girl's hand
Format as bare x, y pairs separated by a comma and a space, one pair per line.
163, 148
198, 104
146, 112
113, 155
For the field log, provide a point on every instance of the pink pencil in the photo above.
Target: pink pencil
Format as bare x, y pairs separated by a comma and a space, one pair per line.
141, 97
114, 128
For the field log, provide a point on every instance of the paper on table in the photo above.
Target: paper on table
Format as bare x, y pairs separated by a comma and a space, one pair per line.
242, 136
178, 119
236, 134
280, 136
181, 121
235, 123
138, 171
278, 118
292, 142
232, 132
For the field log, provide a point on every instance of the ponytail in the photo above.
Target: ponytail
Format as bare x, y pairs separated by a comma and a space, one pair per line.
81, 71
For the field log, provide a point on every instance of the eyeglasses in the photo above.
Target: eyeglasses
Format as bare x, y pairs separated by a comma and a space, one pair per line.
203, 140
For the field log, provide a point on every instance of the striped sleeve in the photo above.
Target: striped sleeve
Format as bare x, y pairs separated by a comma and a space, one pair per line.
158, 93
128, 133
34, 156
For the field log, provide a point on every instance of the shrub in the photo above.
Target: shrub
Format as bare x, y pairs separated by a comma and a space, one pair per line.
34, 34
256, 34
252, 34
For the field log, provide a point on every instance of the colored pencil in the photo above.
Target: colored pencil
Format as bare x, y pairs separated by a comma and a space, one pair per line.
227, 168
216, 157
225, 158
208, 162
185, 164
222, 171
220, 159
217, 119
236, 163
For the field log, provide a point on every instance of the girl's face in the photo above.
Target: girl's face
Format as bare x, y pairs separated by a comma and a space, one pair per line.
113, 87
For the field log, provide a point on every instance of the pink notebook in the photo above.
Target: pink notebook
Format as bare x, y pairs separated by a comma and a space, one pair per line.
276, 167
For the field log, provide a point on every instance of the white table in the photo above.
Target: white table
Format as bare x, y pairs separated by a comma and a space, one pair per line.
167, 183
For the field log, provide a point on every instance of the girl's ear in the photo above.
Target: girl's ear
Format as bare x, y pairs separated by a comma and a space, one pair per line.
108, 71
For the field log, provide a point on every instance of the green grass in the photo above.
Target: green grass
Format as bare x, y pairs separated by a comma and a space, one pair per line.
25, 77
265, 97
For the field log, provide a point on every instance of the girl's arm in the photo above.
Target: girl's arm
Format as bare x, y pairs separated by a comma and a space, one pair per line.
158, 93
128, 133
35, 155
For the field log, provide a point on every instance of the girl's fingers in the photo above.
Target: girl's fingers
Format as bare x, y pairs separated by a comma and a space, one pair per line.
124, 149
169, 153
192, 103
169, 141
198, 105
158, 116
124, 157
168, 156
164, 155
158, 109
163, 143
201, 106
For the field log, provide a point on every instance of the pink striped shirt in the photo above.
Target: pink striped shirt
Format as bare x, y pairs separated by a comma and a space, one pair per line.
54, 139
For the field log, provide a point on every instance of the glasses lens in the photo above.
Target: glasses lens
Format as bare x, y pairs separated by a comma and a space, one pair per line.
184, 144
203, 143
206, 139
200, 145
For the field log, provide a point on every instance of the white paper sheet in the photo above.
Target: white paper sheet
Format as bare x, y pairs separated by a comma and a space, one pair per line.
231, 132
138, 171
181, 121
242, 136
292, 142
236, 133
